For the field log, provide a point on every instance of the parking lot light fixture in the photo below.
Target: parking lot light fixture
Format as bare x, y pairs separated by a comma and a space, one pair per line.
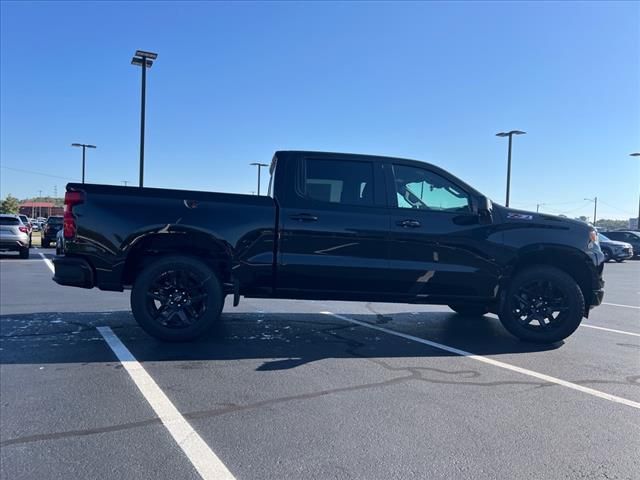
259, 165
595, 207
509, 134
84, 148
143, 59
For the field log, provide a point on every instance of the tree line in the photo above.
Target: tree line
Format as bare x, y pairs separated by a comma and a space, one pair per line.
11, 204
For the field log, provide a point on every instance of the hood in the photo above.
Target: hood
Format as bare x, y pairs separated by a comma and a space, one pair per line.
616, 243
515, 215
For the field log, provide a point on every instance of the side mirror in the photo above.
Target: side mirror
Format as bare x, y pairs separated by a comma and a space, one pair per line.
483, 208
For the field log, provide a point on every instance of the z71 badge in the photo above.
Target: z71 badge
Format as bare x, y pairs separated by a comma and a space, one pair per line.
520, 216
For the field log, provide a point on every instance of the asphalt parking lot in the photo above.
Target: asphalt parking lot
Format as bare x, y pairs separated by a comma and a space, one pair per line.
311, 390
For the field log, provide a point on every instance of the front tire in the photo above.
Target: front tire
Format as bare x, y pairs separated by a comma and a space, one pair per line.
607, 254
470, 309
177, 299
543, 304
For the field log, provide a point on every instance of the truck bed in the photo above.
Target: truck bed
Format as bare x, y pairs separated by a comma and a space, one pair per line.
115, 220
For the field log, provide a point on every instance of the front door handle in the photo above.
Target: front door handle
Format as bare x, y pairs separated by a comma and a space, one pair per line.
408, 223
304, 217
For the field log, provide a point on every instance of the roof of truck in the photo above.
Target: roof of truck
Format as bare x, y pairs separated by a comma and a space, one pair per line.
345, 154
378, 158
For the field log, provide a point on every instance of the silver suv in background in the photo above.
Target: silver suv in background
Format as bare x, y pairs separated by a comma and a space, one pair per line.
14, 235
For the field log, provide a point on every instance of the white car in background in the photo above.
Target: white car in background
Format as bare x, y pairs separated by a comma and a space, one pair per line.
14, 235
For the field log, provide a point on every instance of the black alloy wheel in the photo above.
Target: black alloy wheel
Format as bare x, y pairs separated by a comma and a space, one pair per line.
542, 304
177, 298
539, 305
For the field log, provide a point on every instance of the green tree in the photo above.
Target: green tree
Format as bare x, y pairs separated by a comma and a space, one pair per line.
9, 205
57, 201
612, 224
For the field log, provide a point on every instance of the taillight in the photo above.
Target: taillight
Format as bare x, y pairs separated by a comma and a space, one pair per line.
70, 200
23, 229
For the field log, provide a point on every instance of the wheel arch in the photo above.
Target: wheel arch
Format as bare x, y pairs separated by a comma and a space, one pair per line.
570, 260
147, 248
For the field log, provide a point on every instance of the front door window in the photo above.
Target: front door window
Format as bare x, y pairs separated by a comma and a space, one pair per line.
422, 189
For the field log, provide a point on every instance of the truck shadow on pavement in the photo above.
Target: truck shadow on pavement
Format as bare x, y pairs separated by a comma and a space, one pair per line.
283, 340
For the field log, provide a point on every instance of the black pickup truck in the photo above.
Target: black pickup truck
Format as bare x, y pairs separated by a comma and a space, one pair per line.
333, 227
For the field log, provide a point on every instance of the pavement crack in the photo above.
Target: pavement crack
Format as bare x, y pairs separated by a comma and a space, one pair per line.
380, 318
78, 433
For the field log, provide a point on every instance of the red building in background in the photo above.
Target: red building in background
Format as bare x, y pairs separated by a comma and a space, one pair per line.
40, 209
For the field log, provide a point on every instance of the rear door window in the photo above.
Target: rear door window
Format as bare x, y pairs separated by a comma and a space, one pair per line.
339, 181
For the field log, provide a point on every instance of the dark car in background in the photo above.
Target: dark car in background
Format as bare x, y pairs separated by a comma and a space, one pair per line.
614, 250
50, 230
27, 223
628, 236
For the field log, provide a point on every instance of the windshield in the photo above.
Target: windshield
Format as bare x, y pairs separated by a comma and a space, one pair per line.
55, 220
602, 238
9, 221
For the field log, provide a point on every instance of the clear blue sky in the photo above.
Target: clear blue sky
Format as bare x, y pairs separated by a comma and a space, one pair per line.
236, 81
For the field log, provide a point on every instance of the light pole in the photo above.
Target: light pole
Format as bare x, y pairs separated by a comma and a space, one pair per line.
259, 165
84, 149
595, 207
636, 154
144, 60
509, 134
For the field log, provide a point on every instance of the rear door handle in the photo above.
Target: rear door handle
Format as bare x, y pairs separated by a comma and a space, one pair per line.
408, 223
304, 217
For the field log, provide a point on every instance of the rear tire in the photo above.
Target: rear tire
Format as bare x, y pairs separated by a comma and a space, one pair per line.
619, 260
46, 243
469, 309
177, 299
607, 254
24, 253
542, 304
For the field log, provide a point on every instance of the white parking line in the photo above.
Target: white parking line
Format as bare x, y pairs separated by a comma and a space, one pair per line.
48, 262
495, 363
205, 461
610, 330
619, 305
